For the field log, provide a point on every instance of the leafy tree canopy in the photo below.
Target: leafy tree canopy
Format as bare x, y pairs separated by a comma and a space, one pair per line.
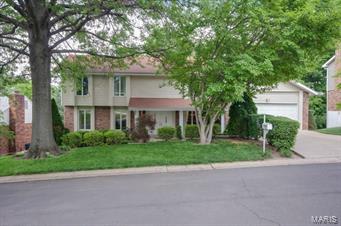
220, 49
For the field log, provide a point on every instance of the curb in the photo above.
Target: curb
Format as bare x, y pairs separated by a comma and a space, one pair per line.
164, 169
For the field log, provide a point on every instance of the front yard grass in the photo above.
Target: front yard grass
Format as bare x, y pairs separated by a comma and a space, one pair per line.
333, 131
133, 155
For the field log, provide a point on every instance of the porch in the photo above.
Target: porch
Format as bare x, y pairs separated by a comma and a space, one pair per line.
166, 112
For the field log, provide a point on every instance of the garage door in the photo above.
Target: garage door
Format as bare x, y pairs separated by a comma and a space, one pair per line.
286, 110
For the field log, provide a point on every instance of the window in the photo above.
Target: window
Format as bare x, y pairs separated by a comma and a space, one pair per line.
84, 119
120, 120
119, 86
83, 86
191, 120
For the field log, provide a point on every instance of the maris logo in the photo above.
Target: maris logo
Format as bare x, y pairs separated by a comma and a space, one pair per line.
324, 219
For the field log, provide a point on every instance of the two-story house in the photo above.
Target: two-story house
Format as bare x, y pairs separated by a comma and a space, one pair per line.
333, 69
108, 99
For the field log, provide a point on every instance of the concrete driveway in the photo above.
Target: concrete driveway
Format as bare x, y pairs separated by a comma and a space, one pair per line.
312, 144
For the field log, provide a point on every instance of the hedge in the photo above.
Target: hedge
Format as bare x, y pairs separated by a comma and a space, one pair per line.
72, 139
178, 132
166, 133
93, 138
114, 137
191, 131
283, 135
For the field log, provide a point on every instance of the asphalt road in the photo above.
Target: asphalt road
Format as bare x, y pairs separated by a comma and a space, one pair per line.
283, 195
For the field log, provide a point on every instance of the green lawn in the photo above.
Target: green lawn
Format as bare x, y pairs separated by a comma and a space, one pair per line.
334, 131
133, 155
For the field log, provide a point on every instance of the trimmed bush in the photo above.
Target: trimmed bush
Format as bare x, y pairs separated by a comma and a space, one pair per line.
114, 137
283, 135
178, 132
240, 122
58, 127
191, 131
73, 139
166, 133
93, 138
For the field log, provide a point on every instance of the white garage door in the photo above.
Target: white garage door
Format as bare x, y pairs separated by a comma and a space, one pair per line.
286, 110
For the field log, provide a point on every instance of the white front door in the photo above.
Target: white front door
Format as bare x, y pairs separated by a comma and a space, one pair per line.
162, 118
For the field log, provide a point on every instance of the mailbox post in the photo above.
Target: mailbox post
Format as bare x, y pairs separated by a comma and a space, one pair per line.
266, 126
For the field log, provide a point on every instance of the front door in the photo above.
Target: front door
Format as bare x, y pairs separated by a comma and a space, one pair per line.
163, 118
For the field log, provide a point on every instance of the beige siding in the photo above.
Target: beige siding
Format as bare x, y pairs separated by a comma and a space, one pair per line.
285, 87
101, 90
148, 86
277, 97
68, 95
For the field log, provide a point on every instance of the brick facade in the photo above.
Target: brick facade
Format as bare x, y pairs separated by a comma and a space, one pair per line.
132, 119
4, 145
334, 96
305, 119
69, 117
22, 130
102, 118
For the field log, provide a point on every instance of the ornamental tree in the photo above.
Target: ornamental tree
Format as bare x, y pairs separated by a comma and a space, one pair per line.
40, 31
220, 49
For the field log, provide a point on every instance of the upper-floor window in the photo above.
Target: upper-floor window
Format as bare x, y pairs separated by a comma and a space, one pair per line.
119, 86
83, 86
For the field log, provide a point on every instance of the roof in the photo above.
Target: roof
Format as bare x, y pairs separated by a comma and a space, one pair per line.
304, 88
143, 65
160, 103
331, 60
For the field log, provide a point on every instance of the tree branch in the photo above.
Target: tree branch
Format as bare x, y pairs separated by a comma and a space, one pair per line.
11, 60
59, 51
21, 51
10, 20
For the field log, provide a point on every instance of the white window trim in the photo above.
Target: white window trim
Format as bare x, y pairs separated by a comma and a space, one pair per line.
82, 88
91, 110
119, 86
114, 119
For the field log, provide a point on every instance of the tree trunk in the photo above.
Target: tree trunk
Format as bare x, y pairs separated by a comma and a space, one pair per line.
40, 64
205, 128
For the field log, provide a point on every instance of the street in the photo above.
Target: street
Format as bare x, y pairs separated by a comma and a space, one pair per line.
281, 195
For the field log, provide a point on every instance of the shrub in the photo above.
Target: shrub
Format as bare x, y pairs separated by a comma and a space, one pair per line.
166, 133
283, 134
73, 139
58, 127
93, 138
140, 132
178, 132
312, 122
191, 131
216, 129
114, 137
240, 122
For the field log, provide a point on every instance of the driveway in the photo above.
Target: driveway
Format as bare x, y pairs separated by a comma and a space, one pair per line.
312, 144
280, 195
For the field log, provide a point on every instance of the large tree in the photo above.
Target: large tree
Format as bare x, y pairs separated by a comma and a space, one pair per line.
220, 49
38, 31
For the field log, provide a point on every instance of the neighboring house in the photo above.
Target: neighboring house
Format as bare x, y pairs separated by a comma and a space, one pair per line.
333, 68
17, 114
109, 99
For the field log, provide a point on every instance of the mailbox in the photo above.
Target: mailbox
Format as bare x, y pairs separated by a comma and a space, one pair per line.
267, 126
